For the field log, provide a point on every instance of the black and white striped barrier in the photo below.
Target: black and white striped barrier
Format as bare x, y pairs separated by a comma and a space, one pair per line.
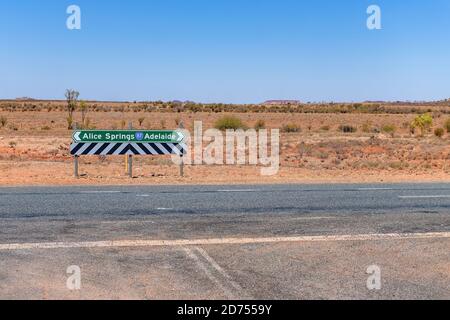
127, 148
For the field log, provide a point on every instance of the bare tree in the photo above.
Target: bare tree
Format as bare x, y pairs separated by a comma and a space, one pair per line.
71, 98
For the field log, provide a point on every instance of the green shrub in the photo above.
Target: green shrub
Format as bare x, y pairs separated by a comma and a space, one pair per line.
347, 129
439, 132
423, 122
229, 123
290, 128
388, 128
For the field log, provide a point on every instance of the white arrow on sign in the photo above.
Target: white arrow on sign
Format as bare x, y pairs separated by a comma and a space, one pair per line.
76, 136
180, 136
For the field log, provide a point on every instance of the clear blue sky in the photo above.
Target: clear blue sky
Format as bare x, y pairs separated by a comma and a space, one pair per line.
241, 51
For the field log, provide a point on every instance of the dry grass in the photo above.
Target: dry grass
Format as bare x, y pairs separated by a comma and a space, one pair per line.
31, 142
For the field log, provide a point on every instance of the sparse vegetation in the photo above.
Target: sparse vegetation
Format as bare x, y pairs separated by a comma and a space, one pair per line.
71, 98
389, 129
423, 123
229, 123
260, 124
439, 132
141, 121
347, 129
447, 125
290, 128
3, 121
84, 108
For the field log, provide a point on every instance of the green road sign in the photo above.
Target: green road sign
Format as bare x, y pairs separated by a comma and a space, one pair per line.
164, 136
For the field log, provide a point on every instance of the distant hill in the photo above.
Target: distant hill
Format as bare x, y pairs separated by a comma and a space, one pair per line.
281, 102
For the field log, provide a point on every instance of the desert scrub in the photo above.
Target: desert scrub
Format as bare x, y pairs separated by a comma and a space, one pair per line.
389, 129
3, 121
439, 132
366, 127
260, 124
290, 128
141, 121
423, 122
229, 123
447, 125
347, 129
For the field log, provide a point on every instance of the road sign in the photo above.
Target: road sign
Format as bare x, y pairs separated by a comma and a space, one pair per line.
126, 148
112, 136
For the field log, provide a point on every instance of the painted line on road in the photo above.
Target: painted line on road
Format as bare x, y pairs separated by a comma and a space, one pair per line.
208, 273
425, 197
375, 189
94, 192
229, 279
237, 191
220, 241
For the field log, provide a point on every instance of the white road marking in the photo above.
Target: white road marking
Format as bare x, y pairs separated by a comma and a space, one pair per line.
375, 189
220, 241
425, 197
215, 265
143, 195
243, 190
208, 273
93, 192
164, 209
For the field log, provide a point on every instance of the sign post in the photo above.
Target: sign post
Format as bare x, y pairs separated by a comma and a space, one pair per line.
75, 158
181, 126
127, 143
130, 157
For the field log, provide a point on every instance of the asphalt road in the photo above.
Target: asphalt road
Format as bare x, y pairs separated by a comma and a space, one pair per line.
226, 242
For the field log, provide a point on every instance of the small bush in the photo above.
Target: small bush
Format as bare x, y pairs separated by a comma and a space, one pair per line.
439, 132
447, 125
290, 128
389, 128
260, 124
69, 120
366, 127
325, 128
229, 123
423, 122
347, 129
141, 121
45, 128
3, 121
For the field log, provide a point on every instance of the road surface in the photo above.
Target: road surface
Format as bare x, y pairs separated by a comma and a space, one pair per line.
226, 242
